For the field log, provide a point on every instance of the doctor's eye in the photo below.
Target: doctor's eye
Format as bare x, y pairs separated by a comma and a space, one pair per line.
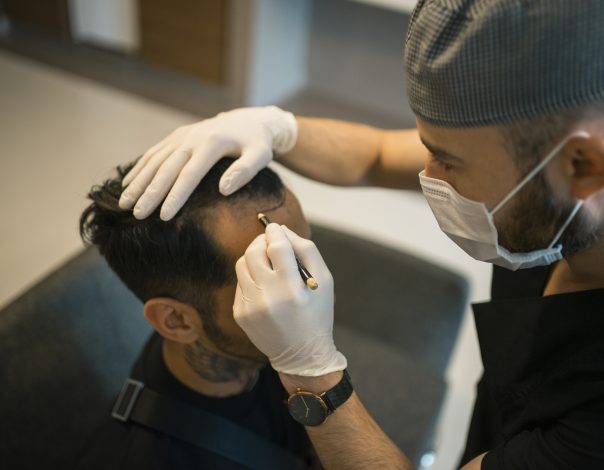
440, 162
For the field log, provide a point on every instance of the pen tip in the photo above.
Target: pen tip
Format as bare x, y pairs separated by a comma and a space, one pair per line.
310, 282
260, 216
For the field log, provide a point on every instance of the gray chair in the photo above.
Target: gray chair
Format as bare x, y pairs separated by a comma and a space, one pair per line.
66, 346
68, 343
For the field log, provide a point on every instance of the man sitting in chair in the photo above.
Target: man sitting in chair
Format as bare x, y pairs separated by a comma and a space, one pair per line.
184, 273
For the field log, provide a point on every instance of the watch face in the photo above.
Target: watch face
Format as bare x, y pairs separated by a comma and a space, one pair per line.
307, 408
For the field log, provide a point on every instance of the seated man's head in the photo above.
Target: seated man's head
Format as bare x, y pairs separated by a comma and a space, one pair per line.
184, 270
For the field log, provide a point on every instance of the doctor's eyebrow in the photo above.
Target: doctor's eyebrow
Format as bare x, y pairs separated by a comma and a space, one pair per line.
440, 153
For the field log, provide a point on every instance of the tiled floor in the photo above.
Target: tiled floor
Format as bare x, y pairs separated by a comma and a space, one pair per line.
61, 133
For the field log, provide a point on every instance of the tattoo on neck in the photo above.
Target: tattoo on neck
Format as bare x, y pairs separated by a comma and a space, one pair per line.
215, 368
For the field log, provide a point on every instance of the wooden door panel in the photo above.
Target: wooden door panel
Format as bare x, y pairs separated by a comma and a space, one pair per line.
185, 35
47, 15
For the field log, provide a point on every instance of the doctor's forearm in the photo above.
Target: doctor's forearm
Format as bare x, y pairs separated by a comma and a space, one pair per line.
350, 154
350, 438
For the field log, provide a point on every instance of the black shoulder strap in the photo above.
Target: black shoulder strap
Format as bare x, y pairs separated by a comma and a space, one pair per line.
202, 429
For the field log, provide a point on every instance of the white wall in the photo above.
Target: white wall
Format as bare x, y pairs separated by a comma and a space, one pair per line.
268, 49
108, 23
404, 6
356, 55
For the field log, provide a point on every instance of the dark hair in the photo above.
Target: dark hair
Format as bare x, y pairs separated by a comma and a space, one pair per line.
179, 258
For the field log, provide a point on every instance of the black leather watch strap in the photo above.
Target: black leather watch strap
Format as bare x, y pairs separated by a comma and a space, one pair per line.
338, 395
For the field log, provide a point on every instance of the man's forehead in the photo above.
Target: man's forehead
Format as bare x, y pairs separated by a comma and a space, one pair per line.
235, 225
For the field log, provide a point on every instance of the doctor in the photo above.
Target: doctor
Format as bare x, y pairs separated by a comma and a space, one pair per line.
509, 99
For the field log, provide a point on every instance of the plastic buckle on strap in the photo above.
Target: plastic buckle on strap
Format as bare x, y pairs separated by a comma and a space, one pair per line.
126, 399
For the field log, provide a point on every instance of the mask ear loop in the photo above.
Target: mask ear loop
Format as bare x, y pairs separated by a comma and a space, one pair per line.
537, 169
568, 221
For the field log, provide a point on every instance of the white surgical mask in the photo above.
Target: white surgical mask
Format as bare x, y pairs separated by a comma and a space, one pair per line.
472, 226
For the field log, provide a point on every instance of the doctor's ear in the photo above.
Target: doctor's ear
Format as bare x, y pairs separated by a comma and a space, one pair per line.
174, 320
586, 165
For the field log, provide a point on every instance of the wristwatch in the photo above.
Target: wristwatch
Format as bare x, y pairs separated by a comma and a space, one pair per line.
310, 409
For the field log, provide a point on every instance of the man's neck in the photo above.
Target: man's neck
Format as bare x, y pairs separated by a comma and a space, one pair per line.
214, 384
579, 272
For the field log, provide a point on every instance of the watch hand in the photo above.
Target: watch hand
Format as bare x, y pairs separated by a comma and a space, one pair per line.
306, 406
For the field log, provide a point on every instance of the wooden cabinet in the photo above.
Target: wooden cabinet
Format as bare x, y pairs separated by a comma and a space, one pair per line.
185, 35
47, 15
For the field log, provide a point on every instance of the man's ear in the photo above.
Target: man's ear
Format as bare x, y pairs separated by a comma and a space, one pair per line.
172, 319
586, 165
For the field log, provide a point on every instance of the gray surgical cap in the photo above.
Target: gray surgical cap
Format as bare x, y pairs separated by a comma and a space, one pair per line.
471, 63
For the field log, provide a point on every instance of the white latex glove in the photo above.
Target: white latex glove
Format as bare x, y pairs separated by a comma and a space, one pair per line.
176, 165
287, 321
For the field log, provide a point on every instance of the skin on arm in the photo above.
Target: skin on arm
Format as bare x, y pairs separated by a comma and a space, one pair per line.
350, 439
350, 154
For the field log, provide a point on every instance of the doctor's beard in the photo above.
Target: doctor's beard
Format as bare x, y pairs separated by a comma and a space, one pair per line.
536, 216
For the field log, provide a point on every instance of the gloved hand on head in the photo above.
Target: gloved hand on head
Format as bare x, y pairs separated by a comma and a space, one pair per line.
287, 321
176, 165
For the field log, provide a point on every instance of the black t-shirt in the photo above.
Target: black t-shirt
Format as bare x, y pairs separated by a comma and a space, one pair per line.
540, 402
117, 445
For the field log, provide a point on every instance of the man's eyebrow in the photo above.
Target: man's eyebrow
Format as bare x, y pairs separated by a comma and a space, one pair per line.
440, 153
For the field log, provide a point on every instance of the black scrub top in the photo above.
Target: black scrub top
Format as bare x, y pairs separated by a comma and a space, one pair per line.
117, 445
540, 402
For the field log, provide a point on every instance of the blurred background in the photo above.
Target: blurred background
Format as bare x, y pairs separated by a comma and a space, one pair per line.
86, 85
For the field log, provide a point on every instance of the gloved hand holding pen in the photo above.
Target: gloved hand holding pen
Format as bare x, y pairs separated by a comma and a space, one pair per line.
287, 321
